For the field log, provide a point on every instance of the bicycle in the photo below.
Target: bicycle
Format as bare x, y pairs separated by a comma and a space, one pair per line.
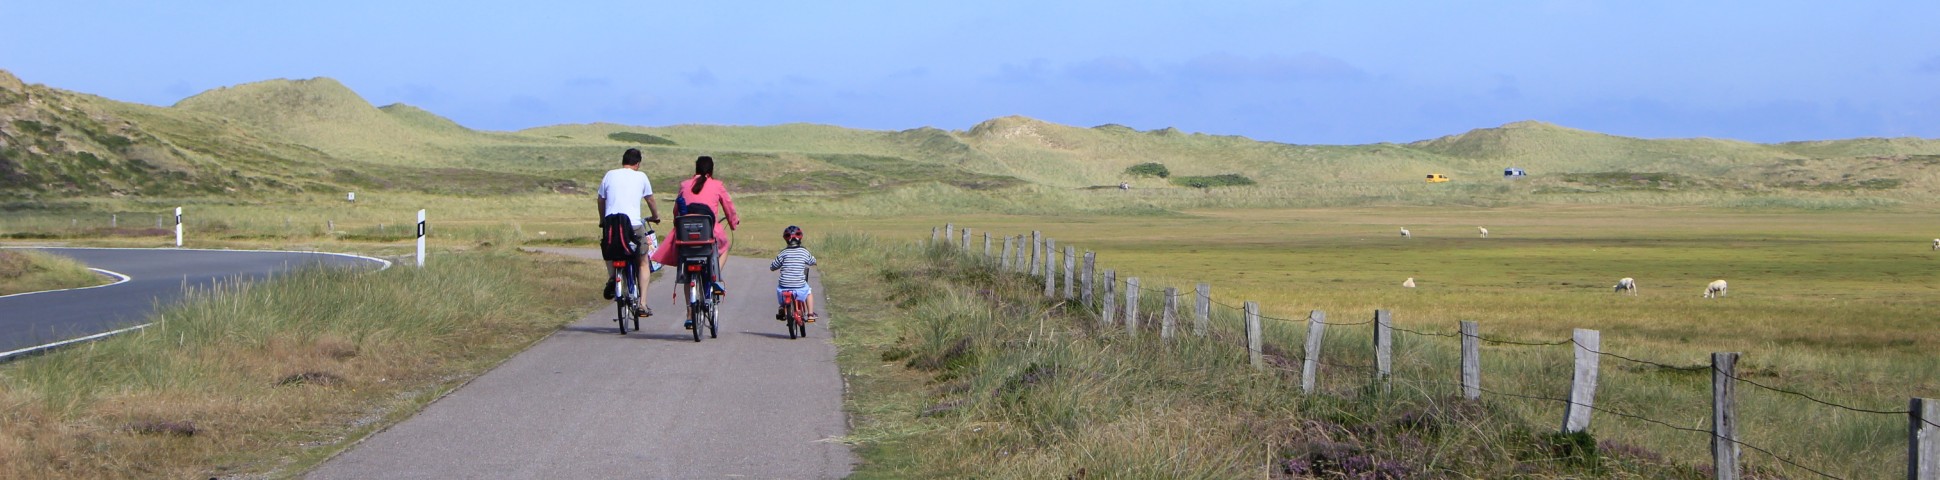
702, 305
693, 238
626, 296
626, 283
793, 310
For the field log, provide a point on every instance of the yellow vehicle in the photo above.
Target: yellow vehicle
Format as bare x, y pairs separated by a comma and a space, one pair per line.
1437, 178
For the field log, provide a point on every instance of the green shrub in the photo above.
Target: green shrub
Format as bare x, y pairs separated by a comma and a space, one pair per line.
640, 138
1149, 169
1226, 180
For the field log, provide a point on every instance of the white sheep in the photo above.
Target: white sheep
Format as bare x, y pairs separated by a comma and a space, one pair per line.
1627, 285
1410, 282
1715, 289
1405, 234
1485, 232
1936, 244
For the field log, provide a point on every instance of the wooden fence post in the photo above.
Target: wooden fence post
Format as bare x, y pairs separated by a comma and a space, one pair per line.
965, 245
1070, 271
934, 233
1022, 254
1383, 348
1170, 317
1037, 247
1255, 343
1923, 446
1111, 297
949, 232
1131, 306
1724, 416
986, 244
1316, 330
1091, 261
1576, 417
1471, 361
1005, 261
1202, 310
1050, 280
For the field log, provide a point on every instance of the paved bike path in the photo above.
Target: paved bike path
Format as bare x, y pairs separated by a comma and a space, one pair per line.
590, 403
156, 276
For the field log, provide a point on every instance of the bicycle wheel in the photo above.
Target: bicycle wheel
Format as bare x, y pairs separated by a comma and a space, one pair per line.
621, 312
788, 318
620, 315
801, 313
713, 330
694, 306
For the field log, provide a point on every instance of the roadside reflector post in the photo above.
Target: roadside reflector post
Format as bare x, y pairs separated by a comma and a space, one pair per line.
178, 227
420, 238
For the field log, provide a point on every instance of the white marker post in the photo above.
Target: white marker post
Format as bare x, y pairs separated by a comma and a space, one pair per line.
420, 238
178, 227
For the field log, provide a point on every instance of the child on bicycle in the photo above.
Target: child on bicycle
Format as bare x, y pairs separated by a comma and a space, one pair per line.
793, 263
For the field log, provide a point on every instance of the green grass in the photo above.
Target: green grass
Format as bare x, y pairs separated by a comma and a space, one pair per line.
1827, 304
640, 138
24, 271
272, 377
1210, 181
959, 370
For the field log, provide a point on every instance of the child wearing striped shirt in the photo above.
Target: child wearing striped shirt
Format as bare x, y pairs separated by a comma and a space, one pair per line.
793, 263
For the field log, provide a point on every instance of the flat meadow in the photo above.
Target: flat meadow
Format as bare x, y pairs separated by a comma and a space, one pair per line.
1837, 306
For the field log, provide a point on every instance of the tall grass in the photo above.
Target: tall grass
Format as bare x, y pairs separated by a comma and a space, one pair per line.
959, 370
31, 271
273, 376
1836, 312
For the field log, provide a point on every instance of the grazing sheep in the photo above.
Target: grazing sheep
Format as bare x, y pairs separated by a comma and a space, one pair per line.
1410, 282
1405, 234
1485, 232
1627, 285
1936, 244
1715, 289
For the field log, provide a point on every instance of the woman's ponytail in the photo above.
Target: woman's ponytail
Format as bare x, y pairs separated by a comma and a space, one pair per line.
703, 168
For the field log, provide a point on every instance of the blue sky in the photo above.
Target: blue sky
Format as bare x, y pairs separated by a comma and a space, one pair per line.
1289, 71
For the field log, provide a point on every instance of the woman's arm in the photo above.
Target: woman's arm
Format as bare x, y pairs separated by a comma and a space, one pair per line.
727, 205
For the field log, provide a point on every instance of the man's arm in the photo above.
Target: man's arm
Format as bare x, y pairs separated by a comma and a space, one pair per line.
653, 211
602, 205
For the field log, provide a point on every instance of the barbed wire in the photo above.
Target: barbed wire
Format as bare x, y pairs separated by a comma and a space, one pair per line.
1686, 368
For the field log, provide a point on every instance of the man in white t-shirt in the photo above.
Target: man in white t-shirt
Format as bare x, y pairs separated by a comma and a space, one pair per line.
621, 191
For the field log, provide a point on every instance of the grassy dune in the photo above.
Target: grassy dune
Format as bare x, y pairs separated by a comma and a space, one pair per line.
24, 271
275, 376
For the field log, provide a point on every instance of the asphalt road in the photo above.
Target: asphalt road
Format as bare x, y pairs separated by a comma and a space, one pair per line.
590, 403
156, 277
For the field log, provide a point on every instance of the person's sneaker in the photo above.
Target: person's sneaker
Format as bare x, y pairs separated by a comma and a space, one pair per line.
689, 325
811, 317
608, 292
781, 314
644, 311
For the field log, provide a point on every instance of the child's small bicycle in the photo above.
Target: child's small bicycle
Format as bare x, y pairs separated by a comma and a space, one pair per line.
794, 312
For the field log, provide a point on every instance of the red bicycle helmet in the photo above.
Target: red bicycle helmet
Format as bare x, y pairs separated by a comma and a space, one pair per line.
792, 235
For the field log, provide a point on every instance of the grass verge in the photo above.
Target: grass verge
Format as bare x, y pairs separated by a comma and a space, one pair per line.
23, 271
270, 378
959, 370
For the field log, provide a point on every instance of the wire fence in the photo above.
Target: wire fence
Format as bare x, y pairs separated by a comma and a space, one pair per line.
1157, 295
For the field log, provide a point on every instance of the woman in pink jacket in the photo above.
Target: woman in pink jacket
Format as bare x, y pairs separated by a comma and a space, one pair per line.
703, 189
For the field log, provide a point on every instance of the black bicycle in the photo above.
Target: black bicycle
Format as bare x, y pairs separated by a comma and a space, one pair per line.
626, 294
702, 304
693, 239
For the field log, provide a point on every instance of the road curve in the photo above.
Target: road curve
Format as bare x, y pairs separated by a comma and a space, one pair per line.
589, 403
156, 277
